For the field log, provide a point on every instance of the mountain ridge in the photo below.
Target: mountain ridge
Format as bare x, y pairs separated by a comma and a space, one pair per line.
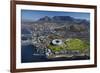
59, 19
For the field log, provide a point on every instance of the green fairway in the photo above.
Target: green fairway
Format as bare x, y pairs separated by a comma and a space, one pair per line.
76, 44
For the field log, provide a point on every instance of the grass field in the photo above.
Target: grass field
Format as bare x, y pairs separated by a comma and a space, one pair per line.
70, 44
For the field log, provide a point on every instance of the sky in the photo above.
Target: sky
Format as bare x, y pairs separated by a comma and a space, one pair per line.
33, 15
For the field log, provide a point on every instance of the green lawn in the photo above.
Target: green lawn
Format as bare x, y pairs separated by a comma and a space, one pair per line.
70, 44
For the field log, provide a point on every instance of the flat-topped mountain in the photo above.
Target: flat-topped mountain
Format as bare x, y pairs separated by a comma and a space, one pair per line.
57, 19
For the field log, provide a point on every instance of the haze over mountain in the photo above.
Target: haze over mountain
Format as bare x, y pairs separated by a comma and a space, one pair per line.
59, 19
